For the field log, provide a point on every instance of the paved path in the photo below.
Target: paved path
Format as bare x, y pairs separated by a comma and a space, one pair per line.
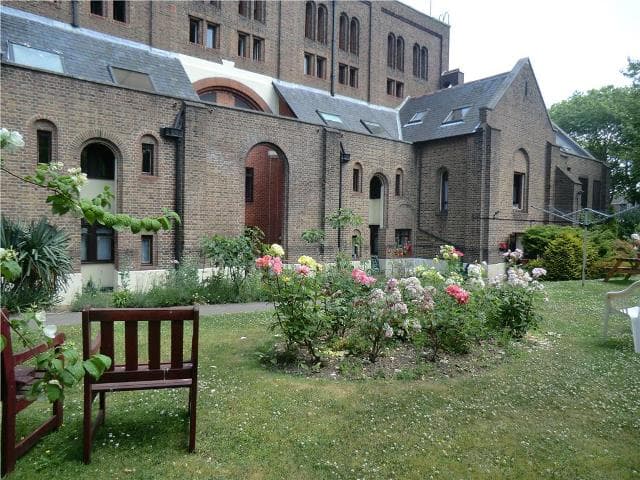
75, 318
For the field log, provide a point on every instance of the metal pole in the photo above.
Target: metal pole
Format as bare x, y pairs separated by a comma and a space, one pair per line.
584, 253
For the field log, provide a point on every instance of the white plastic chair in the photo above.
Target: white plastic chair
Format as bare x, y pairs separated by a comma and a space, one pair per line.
631, 311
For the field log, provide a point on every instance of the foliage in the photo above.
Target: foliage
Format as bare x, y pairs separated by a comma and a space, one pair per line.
232, 255
607, 123
41, 251
344, 217
313, 235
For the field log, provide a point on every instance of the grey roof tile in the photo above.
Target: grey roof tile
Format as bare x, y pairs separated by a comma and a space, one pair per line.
306, 102
568, 144
87, 55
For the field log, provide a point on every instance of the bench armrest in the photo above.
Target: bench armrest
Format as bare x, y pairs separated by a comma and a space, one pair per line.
22, 357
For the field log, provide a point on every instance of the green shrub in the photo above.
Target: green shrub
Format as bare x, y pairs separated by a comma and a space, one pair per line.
563, 258
536, 239
42, 252
513, 310
91, 298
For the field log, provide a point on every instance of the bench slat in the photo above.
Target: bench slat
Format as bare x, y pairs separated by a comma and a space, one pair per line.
106, 340
177, 332
144, 373
141, 314
149, 385
154, 344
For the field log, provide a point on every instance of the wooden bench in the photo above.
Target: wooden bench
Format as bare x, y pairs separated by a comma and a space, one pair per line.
134, 375
17, 380
623, 266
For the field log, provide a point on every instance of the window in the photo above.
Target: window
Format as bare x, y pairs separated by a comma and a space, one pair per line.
194, 30
96, 243
146, 249
97, 8
391, 50
148, 150
391, 87
119, 11
243, 50
518, 191
417, 118
343, 71
356, 243
309, 20
321, 67
424, 63
248, 184
416, 60
32, 57
357, 178
353, 77
45, 145
329, 118
400, 54
343, 32
322, 24
402, 237
444, 191
584, 197
129, 78
596, 202
98, 162
260, 10
212, 35
354, 36
209, 96
243, 8
399, 180
308, 64
456, 115
258, 49
374, 128
399, 89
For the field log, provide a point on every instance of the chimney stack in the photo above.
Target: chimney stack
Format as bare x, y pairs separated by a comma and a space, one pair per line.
451, 78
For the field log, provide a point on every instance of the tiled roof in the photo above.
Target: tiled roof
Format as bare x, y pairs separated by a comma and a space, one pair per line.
568, 144
88, 55
306, 103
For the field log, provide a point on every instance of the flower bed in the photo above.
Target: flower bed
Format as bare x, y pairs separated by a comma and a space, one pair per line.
343, 315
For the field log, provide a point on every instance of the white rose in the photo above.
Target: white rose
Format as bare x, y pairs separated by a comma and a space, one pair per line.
50, 331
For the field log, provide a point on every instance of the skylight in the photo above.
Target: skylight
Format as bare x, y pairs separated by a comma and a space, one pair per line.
329, 117
417, 118
456, 115
132, 79
374, 128
33, 57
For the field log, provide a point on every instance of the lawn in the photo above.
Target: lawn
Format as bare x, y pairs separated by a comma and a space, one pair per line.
564, 406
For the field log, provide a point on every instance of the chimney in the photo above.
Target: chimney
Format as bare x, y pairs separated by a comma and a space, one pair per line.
451, 78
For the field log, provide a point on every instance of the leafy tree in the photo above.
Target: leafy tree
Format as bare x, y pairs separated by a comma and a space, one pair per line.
606, 122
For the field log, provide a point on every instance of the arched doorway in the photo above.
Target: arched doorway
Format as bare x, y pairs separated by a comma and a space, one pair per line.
97, 244
376, 212
265, 191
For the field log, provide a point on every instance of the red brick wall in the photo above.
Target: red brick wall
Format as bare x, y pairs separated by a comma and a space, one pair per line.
266, 211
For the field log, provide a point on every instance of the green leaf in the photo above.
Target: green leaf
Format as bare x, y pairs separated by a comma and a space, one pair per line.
56, 364
106, 361
68, 378
3, 342
77, 370
54, 392
91, 368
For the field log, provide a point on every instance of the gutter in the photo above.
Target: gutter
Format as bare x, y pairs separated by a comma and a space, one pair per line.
333, 48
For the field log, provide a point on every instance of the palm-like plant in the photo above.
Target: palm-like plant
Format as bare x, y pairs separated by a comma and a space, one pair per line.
42, 252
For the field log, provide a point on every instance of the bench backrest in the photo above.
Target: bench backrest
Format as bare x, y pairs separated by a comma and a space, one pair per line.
155, 368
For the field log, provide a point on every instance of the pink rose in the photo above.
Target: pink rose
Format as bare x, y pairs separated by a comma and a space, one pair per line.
263, 262
459, 293
276, 265
303, 270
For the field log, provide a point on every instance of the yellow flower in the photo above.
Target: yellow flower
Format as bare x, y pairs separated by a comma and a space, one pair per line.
308, 261
276, 250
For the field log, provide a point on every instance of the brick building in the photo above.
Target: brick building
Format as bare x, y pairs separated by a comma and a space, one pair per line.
275, 114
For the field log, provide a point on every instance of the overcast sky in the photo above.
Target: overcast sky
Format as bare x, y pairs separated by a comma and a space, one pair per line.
572, 44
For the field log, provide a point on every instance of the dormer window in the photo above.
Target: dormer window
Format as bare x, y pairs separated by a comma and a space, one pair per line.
417, 118
132, 79
330, 118
374, 128
33, 57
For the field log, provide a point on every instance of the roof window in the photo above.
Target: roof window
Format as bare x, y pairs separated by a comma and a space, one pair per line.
417, 118
132, 79
374, 128
456, 115
330, 118
33, 57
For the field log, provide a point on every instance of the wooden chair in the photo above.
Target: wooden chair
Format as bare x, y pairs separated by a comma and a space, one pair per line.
632, 311
133, 375
16, 382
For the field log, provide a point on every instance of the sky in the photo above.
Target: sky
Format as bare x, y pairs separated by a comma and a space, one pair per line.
573, 45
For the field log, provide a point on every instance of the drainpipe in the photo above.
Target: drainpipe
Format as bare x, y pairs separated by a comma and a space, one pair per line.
369, 60
333, 49
74, 13
150, 23
279, 40
177, 134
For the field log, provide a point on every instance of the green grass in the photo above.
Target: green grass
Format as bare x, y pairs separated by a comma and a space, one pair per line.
569, 408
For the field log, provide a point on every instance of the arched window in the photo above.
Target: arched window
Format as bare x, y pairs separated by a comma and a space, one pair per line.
357, 177
416, 60
47, 141
229, 97
322, 24
309, 20
98, 161
149, 149
399, 190
354, 36
400, 54
424, 63
391, 50
343, 32
444, 191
